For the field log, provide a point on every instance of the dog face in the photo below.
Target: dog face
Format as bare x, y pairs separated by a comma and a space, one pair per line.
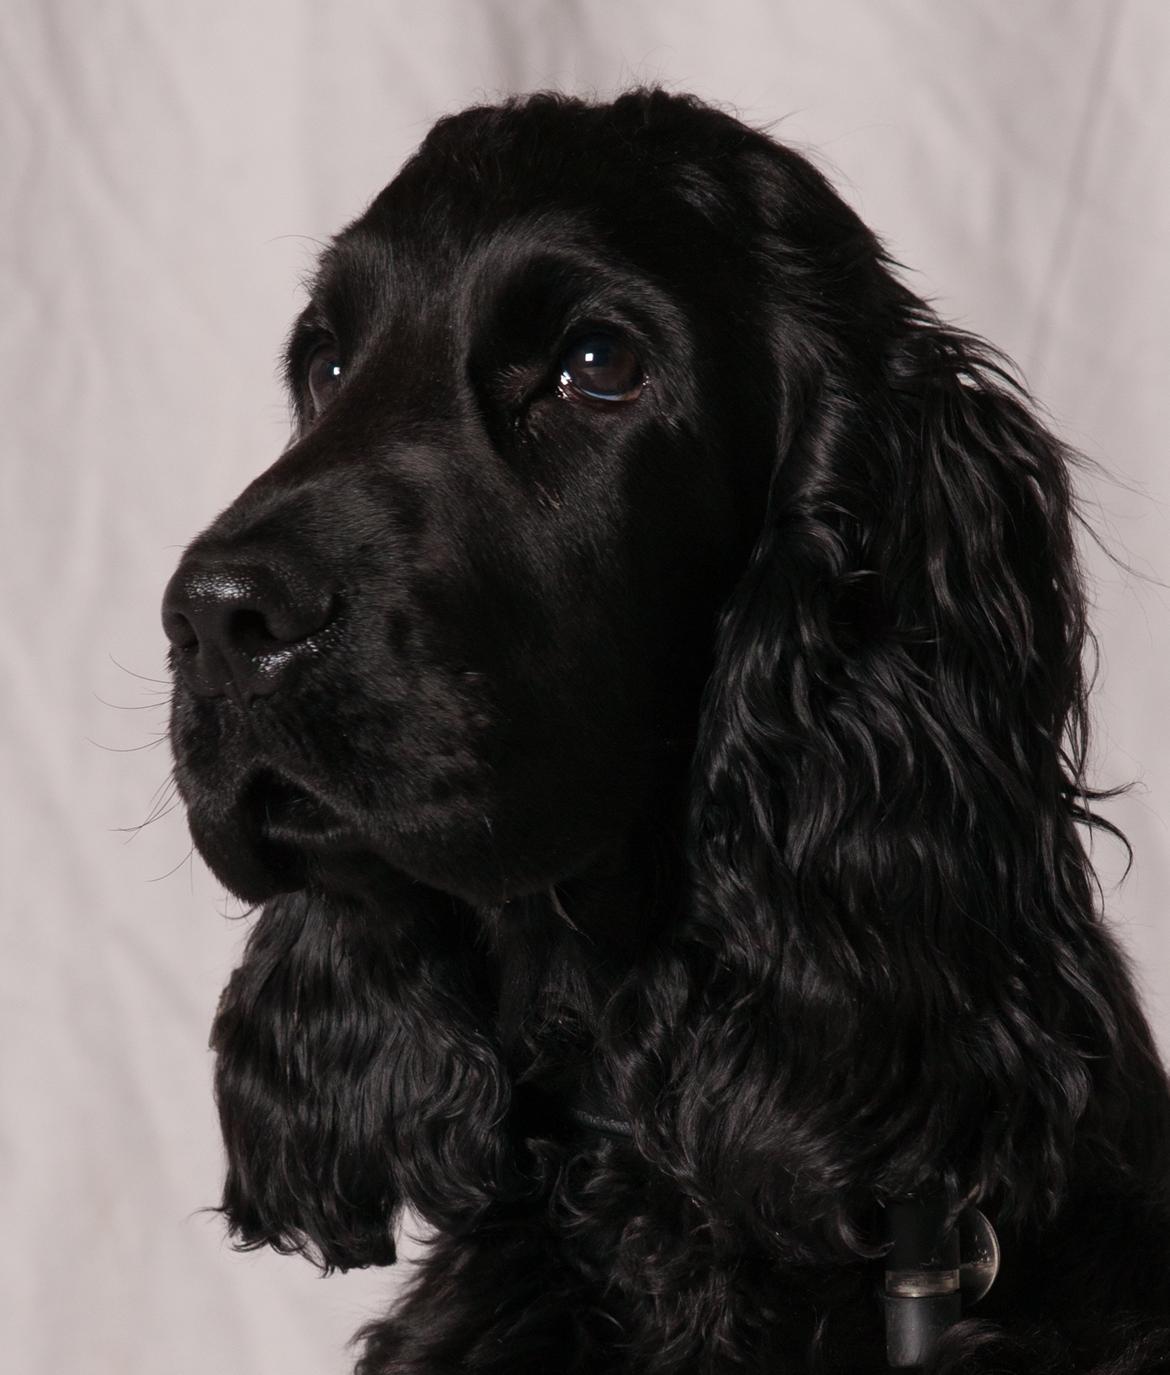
458, 631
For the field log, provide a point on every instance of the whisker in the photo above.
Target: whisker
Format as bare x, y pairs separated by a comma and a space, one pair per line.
129, 749
142, 677
163, 803
187, 858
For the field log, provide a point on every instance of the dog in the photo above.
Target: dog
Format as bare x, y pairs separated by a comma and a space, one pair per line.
645, 703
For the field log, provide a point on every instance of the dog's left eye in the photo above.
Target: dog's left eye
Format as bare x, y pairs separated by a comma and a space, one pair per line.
602, 367
323, 374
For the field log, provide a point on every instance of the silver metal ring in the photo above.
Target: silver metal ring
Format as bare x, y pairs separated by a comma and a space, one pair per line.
921, 1284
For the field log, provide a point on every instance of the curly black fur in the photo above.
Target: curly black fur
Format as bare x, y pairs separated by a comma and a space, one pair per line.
710, 757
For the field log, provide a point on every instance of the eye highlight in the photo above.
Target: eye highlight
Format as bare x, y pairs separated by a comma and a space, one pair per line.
601, 367
323, 374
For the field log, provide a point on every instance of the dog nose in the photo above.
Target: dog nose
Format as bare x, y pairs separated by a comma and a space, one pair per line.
241, 625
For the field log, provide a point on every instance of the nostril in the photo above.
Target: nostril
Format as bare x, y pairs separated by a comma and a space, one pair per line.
179, 630
254, 630
284, 621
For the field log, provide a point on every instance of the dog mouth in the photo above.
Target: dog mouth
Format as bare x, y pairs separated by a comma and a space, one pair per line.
271, 833
282, 812
276, 837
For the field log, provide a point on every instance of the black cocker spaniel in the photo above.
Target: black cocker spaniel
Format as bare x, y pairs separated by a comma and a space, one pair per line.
646, 703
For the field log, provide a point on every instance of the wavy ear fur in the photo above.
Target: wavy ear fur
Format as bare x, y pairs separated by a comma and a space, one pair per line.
903, 975
350, 1079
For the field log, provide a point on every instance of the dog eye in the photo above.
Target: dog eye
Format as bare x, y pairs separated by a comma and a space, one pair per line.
603, 368
323, 374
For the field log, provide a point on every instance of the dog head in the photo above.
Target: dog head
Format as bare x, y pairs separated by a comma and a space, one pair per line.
460, 628
632, 496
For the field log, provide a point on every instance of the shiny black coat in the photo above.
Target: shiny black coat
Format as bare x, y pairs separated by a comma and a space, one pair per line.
649, 686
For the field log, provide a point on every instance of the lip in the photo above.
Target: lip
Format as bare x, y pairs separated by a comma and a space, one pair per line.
281, 810
277, 836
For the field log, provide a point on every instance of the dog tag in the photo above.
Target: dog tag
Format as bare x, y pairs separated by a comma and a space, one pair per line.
979, 1249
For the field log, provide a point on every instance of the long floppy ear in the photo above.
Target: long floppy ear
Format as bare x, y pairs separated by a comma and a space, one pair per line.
902, 975
351, 1078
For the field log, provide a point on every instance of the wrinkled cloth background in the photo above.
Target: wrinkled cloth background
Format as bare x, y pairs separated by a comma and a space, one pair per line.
167, 170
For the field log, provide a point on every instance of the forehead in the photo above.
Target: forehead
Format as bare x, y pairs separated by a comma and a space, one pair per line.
546, 153
600, 182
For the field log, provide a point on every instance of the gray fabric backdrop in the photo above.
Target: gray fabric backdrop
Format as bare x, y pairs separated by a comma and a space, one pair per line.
166, 172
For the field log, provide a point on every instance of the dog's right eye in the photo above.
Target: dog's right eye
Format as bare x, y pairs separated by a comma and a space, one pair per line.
601, 367
323, 374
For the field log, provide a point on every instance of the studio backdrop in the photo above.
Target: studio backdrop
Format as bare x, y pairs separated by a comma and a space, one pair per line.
167, 173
